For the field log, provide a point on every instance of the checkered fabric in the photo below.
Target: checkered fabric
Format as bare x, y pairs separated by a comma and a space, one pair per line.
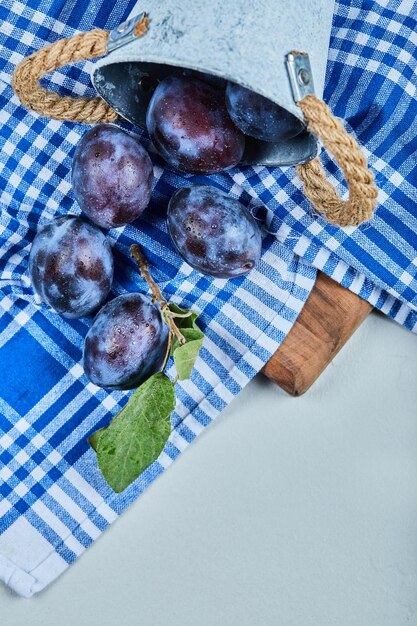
371, 84
53, 500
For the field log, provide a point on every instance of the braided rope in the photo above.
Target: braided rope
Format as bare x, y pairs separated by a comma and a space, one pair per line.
87, 45
362, 201
32, 95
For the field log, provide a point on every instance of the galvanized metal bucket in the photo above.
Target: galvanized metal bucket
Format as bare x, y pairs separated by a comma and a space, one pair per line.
244, 42
277, 48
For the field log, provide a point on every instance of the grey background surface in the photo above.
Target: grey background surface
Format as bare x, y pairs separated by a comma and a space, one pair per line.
300, 512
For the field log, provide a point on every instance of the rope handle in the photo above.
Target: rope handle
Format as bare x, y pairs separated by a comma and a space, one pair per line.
362, 200
33, 96
363, 193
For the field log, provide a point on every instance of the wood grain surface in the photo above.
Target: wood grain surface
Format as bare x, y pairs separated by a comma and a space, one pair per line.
330, 316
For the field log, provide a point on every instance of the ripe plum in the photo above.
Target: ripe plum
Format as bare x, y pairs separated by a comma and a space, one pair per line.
258, 117
112, 176
71, 266
127, 342
189, 125
212, 232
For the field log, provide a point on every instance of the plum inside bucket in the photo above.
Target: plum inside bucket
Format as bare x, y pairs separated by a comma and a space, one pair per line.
128, 87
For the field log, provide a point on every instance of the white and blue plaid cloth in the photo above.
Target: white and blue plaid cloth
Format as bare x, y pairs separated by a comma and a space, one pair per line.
53, 500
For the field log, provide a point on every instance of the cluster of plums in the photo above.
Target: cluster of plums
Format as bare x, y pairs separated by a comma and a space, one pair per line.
196, 127
71, 267
198, 123
112, 179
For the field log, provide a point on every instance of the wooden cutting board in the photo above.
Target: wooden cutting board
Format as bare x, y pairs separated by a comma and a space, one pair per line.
330, 316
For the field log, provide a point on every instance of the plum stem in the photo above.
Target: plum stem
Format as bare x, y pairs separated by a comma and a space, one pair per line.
167, 353
157, 296
180, 315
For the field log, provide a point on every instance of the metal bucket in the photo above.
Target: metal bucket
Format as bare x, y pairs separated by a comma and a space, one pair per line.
244, 42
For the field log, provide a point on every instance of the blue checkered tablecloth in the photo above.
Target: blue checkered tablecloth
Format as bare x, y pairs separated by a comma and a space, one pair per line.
53, 501
371, 83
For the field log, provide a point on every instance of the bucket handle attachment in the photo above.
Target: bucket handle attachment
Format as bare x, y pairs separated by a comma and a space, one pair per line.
362, 200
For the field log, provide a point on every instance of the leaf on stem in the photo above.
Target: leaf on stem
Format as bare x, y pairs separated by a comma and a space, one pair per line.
185, 355
137, 434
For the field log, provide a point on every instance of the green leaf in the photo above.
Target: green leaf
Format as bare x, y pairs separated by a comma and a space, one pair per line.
185, 355
93, 439
137, 434
183, 322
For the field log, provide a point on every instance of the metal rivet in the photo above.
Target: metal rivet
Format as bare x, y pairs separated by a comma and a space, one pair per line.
303, 77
